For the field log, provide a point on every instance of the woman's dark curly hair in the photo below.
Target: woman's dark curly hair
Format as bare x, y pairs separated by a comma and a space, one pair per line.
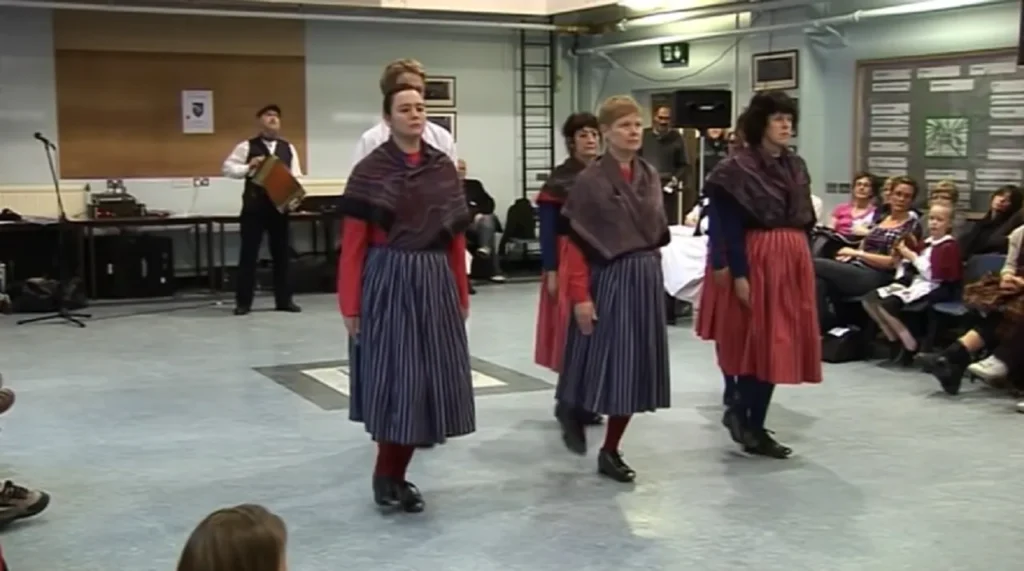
576, 123
754, 119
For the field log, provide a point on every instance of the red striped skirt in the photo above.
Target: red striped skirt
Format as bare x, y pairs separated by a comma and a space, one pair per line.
552, 324
776, 339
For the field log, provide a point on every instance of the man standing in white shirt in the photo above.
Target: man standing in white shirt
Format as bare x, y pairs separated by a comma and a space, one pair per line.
259, 214
407, 72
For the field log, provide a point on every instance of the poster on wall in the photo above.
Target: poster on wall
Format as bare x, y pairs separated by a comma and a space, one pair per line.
196, 112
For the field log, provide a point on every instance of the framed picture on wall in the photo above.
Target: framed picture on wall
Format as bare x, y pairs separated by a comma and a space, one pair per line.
775, 70
440, 92
446, 120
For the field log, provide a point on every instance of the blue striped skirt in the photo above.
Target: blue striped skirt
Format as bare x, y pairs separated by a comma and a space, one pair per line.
622, 367
410, 380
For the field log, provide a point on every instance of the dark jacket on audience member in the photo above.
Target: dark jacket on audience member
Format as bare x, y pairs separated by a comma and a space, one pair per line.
477, 198
989, 235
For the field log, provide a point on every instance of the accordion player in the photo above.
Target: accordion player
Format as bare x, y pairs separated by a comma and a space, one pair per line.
269, 168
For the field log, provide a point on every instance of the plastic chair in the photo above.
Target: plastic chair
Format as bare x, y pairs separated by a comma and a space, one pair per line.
976, 268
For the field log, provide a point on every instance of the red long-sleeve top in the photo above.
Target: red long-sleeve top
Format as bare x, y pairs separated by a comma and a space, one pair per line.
358, 235
573, 264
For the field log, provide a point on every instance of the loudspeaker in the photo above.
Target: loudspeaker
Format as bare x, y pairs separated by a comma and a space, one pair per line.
702, 109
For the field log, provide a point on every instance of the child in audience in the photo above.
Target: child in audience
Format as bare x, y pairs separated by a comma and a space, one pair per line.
243, 538
929, 274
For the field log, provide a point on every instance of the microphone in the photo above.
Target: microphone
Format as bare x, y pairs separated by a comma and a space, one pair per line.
39, 137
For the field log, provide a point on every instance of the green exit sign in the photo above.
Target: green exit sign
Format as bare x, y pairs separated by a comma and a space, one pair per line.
675, 55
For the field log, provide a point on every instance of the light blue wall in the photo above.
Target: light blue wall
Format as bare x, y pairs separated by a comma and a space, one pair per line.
973, 29
827, 74
343, 64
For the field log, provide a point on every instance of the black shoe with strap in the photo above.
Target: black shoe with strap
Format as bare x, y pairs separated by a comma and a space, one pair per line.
733, 420
761, 443
573, 434
611, 464
409, 497
385, 493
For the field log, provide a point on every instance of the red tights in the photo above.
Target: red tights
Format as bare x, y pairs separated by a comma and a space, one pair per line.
393, 460
613, 433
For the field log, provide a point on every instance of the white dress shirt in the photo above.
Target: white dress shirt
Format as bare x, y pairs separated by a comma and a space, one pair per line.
235, 166
434, 135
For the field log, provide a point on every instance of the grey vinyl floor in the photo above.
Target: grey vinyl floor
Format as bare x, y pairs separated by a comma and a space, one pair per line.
150, 418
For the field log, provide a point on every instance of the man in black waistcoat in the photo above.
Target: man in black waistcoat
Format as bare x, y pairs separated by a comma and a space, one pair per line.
259, 214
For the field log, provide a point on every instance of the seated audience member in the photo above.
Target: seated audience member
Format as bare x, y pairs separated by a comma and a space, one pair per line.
997, 304
243, 538
929, 273
944, 191
857, 271
882, 204
484, 229
17, 502
1005, 363
989, 235
855, 217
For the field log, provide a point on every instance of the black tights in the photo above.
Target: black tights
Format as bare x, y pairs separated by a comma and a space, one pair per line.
754, 398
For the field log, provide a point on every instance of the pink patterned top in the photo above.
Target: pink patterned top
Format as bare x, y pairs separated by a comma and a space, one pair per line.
843, 219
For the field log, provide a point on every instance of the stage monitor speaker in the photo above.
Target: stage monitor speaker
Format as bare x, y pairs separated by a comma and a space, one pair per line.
702, 109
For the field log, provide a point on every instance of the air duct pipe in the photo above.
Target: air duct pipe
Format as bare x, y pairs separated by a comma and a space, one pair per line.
729, 9
851, 18
309, 16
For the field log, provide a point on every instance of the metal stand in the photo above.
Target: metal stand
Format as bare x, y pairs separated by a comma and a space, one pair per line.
60, 296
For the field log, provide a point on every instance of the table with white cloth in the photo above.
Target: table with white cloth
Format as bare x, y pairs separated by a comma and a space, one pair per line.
683, 261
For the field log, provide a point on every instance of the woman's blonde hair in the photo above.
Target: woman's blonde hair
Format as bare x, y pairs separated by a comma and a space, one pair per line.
944, 190
616, 107
243, 538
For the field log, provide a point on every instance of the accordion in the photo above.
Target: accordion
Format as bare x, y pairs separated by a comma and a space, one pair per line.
282, 187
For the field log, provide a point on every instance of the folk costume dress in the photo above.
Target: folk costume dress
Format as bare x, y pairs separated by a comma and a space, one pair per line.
402, 272
616, 226
761, 213
553, 311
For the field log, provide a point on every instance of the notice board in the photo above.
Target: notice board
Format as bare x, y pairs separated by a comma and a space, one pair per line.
956, 117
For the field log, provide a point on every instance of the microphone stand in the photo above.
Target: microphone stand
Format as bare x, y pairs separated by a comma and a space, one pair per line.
61, 295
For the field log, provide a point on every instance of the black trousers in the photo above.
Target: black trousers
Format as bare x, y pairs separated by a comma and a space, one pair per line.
259, 216
837, 279
672, 207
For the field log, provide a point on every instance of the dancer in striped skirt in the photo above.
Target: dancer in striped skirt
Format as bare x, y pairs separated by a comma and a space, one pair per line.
582, 140
762, 315
403, 291
616, 355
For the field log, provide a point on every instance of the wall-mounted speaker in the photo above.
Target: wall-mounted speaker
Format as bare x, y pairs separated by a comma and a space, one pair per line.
702, 109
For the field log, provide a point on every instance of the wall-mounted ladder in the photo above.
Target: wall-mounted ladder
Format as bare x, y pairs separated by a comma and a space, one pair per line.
537, 81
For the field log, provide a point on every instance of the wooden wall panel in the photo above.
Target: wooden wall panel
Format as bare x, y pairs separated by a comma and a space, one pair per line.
124, 32
119, 81
119, 113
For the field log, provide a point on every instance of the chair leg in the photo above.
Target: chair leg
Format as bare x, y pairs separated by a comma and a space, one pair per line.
931, 331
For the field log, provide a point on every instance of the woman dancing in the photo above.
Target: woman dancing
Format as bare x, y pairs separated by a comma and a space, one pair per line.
762, 315
403, 291
616, 354
582, 139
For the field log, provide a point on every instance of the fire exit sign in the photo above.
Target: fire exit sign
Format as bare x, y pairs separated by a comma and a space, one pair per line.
675, 55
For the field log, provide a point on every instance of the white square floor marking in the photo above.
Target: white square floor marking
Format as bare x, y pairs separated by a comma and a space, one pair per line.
337, 379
